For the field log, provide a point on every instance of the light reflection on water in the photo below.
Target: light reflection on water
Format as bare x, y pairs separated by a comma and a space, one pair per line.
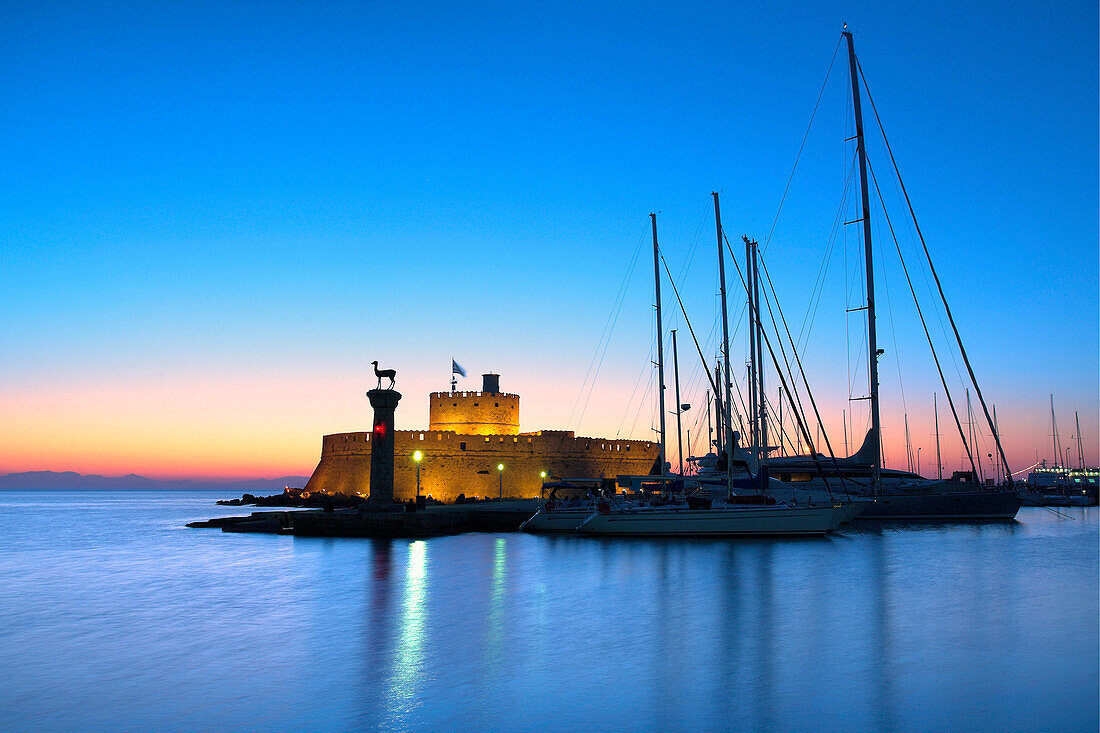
409, 653
117, 617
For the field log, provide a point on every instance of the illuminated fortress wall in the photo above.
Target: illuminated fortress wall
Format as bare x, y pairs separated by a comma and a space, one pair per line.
456, 464
469, 435
474, 413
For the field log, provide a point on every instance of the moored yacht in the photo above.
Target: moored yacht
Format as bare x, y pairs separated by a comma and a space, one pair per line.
776, 520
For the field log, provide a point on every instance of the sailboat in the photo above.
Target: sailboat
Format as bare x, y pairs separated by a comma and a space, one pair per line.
895, 494
724, 517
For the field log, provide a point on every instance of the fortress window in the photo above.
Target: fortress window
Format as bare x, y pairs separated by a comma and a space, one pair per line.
515, 440
502, 439
462, 446
455, 404
475, 404
628, 447
422, 436
496, 404
486, 440
528, 440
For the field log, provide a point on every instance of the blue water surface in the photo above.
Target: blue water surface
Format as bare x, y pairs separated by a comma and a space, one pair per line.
117, 617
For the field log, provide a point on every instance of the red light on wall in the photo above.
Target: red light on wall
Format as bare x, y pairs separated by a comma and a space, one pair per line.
380, 430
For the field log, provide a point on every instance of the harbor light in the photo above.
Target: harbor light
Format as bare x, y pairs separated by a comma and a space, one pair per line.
416, 457
500, 485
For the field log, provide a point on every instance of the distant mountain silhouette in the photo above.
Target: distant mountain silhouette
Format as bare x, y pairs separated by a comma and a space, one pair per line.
71, 480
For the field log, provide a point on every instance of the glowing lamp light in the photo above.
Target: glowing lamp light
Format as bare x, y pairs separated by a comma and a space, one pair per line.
417, 456
542, 474
500, 466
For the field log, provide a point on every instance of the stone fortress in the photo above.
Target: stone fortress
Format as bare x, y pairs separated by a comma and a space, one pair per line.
469, 435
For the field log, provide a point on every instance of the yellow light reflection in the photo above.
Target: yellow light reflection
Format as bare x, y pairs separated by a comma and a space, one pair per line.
495, 632
409, 651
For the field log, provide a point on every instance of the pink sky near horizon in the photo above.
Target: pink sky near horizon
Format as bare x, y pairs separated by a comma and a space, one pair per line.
238, 425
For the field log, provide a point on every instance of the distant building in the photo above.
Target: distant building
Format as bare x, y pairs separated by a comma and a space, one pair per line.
469, 435
1045, 477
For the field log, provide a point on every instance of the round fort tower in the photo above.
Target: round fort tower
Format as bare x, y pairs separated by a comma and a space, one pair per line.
488, 412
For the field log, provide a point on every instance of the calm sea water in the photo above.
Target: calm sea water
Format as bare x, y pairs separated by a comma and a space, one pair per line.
117, 617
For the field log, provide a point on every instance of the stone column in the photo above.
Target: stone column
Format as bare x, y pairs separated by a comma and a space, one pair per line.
384, 402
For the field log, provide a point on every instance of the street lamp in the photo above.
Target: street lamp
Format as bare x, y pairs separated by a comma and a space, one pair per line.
500, 473
416, 457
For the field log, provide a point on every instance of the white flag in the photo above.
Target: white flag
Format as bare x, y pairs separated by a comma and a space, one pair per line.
456, 369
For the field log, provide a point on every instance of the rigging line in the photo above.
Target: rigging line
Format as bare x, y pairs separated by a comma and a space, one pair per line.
805, 135
798, 360
774, 423
637, 382
928, 287
847, 326
613, 315
931, 294
642, 402
950, 400
779, 373
735, 383
782, 348
932, 268
819, 281
686, 267
706, 367
889, 304
607, 341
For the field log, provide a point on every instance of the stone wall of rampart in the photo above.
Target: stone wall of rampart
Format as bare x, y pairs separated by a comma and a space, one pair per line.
456, 464
474, 413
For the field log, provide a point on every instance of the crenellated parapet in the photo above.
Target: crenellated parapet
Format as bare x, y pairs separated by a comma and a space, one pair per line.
474, 413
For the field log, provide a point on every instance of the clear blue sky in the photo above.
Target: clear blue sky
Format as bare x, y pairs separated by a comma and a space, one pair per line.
214, 216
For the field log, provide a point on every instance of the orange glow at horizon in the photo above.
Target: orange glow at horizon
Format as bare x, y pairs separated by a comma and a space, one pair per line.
238, 425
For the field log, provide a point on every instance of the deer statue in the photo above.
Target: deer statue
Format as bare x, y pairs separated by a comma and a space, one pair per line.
389, 374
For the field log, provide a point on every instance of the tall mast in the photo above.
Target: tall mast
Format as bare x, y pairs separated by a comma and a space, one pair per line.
996, 460
754, 412
939, 461
844, 419
970, 433
679, 427
660, 344
1053, 430
1080, 449
872, 339
719, 437
710, 429
762, 413
779, 401
908, 445
725, 347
